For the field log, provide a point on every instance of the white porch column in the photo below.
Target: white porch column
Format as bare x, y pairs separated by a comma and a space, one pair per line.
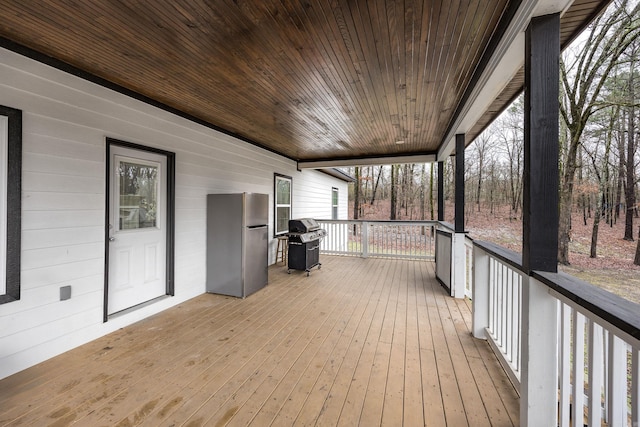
440, 191
458, 252
480, 293
539, 374
364, 236
458, 264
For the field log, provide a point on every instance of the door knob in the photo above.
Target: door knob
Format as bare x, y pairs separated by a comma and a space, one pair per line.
111, 239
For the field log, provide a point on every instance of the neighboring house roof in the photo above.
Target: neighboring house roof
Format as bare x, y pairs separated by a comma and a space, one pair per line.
338, 173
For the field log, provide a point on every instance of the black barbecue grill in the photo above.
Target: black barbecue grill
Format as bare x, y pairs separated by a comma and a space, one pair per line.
304, 244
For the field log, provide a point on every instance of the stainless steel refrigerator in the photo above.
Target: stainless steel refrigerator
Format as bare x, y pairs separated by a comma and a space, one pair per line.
237, 243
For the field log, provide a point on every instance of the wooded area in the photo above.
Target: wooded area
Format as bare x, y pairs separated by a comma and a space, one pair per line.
599, 134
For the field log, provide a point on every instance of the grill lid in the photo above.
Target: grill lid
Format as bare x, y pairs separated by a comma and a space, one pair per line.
307, 237
303, 225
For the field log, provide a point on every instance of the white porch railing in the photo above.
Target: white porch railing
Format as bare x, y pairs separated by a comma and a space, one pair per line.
388, 239
444, 253
572, 350
597, 354
454, 260
497, 290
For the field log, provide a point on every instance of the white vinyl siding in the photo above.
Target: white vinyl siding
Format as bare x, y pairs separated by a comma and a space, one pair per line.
66, 121
314, 198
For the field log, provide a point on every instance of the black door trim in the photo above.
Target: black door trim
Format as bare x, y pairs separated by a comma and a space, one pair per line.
171, 207
13, 216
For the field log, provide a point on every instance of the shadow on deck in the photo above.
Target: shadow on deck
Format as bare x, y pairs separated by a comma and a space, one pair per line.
359, 342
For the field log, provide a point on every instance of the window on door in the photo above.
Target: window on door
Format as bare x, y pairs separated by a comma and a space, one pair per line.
282, 204
10, 202
334, 203
138, 185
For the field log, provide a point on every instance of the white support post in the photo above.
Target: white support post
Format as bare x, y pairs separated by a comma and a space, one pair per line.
539, 375
365, 239
596, 374
564, 375
617, 381
480, 292
578, 324
635, 386
458, 265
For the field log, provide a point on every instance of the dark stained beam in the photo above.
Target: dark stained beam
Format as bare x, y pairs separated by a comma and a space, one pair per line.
459, 209
540, 191
539, 314
440, 191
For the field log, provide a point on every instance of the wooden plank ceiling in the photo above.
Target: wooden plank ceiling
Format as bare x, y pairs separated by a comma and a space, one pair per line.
312, 80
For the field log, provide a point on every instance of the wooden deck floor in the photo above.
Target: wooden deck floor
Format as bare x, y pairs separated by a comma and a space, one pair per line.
360, 342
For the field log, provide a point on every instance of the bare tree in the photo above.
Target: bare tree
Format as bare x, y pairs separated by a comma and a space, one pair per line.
630, 191
394, 191
375, 186
356, 194
510, 133
601, 167
483, 145
636, 259
582, 80
423, 184
431, 179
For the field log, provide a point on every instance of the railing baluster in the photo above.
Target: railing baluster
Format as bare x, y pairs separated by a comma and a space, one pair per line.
509, 315
413, 240
494, 297
564, 371
498, 305
517, 319
337, 242
365, 239
595, 373
578, 366
635, 386
617, 382
503, 315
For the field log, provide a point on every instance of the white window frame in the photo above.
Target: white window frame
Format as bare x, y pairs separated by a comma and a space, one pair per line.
278, 177
335, 203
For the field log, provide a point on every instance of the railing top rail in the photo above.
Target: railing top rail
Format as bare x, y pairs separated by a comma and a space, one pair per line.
514, 259
379, 221
619, 312
444, 232
446, 225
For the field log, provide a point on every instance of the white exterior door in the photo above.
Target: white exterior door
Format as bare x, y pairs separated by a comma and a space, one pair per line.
137, 227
